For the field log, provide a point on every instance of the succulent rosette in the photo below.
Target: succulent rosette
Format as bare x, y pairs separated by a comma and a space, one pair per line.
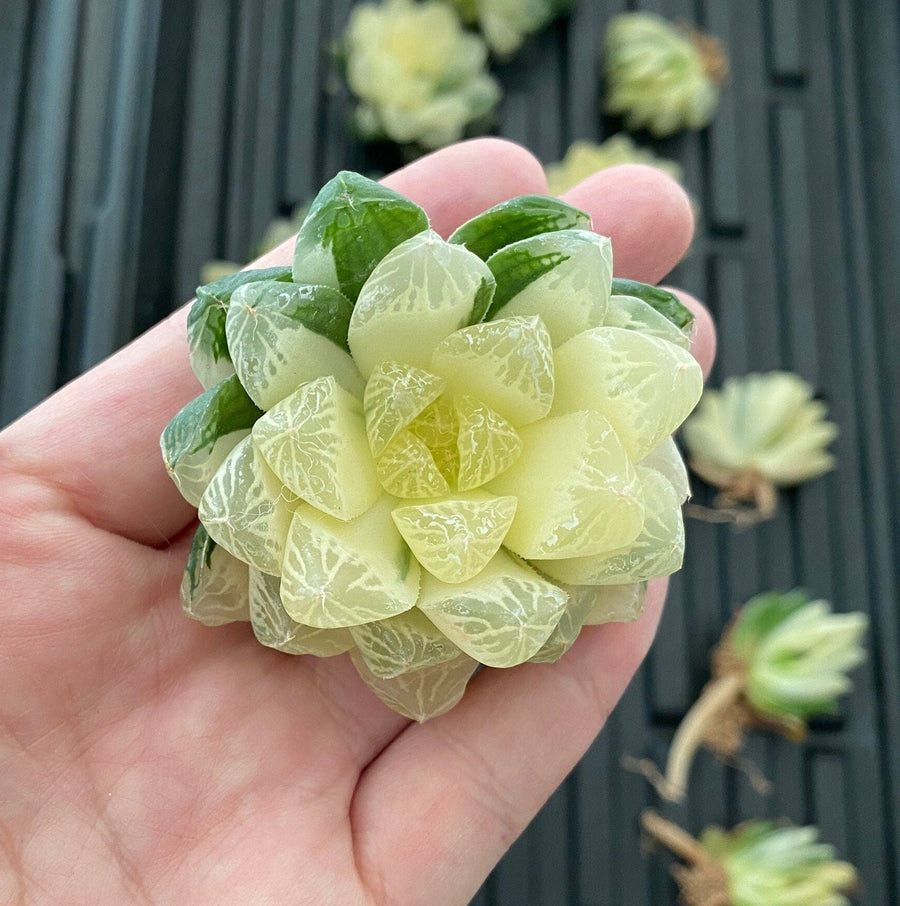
420, 78
757, 863
505, 24
661, 77
758, 433
784, 659
433, 454
584, 158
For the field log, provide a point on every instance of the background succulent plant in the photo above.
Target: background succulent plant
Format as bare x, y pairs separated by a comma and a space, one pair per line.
784, 659
757, 863
758, 433
419, 77
584, 158
505, 24
661, 77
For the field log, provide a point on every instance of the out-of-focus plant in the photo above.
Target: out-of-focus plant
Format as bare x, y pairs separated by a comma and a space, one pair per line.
420, 78
505, 24
661, 77
585, 158
758, 433
783, 660
757, 863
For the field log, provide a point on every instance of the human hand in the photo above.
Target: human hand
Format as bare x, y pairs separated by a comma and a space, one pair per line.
146, 758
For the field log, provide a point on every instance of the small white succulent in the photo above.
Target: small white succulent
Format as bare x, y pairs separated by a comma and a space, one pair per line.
757, 863
584, 158
768, 864
784, 659
505, 24
661, 77
758, 433
419, 76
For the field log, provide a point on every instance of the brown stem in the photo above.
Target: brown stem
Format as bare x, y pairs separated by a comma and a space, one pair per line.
717, 697
675, 839
747, 497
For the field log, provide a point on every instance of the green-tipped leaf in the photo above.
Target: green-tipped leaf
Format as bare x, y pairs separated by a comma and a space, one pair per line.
208, 346
662, 300
197, 440
516, 219
351, 225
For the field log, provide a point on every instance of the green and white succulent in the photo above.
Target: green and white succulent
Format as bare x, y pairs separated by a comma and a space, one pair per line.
584, 158
505, 24
420, 78
432, 453
757, 863
784, 659
659, 76
758, 433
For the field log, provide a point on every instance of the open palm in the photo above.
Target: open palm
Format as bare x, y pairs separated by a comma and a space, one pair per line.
145, 758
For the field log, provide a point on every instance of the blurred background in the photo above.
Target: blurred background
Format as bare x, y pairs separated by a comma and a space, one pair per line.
141, 138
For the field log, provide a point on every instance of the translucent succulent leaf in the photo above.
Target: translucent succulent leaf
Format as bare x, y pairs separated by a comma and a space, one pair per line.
631, 313
507, 364
247, 509
214, 586
315, 442
666, 458
424, 693
657, 551
661, 300
567, 630
351, 225
563, 277
197, 440
407, 469
395, 395
282, 335
502, 617
345, 573
646, 387
438, 428
274, 628
487, 443
397, 645
419, 293
455, 538
207, 343
578, 492
516, 219
614, 603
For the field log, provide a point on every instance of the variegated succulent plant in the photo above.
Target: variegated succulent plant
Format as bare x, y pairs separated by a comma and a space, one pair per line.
757, 863
419, 77
659, 76
432, 453
784, 659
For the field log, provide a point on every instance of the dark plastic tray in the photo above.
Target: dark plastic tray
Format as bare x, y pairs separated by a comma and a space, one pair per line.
139, 138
